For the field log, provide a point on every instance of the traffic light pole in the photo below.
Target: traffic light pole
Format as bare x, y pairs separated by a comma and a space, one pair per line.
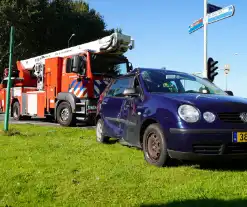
205, 55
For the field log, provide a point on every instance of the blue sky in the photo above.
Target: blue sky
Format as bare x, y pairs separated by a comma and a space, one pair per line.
160, 30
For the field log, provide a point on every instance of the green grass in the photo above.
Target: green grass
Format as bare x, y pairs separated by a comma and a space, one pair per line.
53, 166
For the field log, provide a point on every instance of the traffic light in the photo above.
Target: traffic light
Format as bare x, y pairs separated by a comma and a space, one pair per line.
211, 69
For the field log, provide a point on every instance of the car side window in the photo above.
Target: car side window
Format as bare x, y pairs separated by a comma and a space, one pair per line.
118, 87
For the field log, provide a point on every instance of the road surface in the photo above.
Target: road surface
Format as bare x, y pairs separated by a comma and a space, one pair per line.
35, 121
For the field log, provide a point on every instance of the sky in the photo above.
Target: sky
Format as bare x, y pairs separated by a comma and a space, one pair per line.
160, 31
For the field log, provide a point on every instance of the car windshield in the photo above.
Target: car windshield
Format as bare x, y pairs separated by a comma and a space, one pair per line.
158, 81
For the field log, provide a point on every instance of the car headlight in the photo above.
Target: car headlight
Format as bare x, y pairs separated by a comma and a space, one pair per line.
189, 113
209, 117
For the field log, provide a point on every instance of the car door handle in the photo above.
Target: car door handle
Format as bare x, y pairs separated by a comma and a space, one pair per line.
103, 102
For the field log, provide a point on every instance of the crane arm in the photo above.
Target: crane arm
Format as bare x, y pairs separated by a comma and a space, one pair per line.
115, 43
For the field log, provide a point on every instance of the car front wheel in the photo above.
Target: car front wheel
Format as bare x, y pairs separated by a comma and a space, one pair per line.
155, 146
100, 137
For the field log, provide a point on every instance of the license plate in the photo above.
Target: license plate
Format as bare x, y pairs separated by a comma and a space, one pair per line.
239, 137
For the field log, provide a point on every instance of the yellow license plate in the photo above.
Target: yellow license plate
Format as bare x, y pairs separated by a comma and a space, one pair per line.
239, 137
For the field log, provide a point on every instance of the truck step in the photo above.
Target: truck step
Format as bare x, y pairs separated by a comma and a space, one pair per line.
81, 104
80, 118
80, 112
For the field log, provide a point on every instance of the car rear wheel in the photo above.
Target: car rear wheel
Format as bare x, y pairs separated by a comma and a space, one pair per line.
100, 137
155, 146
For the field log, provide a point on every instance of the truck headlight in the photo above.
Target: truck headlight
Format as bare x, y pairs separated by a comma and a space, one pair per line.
189, 113
209, 117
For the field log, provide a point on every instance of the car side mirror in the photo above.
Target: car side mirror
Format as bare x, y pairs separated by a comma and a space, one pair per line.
130, 92
230, 93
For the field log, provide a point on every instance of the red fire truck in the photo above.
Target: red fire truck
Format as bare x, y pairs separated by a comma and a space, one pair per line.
66, 84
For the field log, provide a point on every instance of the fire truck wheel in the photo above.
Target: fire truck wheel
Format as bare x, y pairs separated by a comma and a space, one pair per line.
65, 117
16, 111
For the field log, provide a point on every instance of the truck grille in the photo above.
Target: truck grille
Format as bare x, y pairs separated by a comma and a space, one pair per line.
216, 149
230, 117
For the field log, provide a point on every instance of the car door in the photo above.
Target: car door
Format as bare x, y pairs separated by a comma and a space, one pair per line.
112, 104
130, 114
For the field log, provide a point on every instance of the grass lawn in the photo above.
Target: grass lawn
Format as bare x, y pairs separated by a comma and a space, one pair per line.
53, 166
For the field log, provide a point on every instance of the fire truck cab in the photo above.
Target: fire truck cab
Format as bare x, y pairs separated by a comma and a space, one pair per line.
65, 85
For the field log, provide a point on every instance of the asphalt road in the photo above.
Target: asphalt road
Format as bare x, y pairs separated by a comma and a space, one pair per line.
40, 122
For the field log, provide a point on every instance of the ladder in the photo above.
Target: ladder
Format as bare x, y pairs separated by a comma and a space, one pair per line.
115, 43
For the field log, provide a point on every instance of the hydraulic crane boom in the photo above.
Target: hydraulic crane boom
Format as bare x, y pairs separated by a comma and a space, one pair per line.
115, 44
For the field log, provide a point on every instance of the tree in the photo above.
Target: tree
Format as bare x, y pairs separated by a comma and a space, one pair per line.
44, 26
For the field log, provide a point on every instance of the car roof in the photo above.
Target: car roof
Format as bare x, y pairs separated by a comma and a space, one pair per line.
139, 70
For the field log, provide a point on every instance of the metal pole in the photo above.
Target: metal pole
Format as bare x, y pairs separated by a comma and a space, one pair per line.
205, 55
11, 44
68, 42
226, 82
70, 39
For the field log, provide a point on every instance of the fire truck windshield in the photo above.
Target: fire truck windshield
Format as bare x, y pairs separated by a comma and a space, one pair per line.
109, 64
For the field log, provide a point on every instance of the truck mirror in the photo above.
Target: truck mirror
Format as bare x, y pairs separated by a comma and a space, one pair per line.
130, 67
132, 44
76, 64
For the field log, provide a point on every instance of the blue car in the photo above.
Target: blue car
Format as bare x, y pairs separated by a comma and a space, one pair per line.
173, 115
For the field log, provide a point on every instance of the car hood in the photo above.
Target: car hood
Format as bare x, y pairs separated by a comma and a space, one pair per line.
220, 103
